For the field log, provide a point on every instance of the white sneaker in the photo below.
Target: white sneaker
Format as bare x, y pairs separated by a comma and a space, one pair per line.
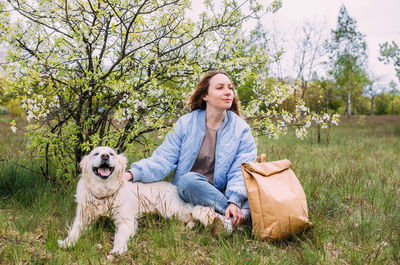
222, 226
229, 227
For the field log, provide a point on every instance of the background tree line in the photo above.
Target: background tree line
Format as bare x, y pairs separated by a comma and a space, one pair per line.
331, 66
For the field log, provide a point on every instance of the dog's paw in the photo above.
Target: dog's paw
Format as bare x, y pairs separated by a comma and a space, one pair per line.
119, 250
204, 214
63, 244
190, 225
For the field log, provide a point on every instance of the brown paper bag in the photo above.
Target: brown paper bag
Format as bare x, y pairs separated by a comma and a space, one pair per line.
277, 201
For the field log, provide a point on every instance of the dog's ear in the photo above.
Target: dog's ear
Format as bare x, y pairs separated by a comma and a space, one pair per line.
122, 160
84, 164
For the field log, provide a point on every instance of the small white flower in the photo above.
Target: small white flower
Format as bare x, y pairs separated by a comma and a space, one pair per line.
287, 118
301, 133
303, 108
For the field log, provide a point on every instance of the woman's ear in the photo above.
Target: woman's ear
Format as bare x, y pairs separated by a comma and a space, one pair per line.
205, 97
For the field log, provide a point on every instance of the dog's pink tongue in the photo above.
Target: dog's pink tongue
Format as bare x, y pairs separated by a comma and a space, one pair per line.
104, 171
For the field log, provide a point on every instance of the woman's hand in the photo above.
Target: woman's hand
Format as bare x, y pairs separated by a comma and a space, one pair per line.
128, 176
236, 212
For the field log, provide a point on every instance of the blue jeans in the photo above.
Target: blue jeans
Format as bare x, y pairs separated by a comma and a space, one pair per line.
194, 188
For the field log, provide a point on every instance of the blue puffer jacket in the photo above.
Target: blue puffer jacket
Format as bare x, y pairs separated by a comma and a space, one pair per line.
235, 145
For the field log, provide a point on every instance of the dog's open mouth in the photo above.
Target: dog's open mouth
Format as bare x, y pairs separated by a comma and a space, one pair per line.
104, 171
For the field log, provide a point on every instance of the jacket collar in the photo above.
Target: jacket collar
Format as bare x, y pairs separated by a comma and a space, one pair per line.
202, 120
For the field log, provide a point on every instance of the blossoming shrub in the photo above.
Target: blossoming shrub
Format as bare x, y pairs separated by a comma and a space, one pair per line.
110, 73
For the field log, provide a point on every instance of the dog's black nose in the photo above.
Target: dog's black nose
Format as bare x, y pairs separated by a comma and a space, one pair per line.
105, 156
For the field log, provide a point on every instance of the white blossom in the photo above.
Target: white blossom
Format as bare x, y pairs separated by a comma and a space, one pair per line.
301, 132
13, 126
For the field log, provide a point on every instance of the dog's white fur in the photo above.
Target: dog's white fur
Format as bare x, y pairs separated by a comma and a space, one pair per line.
125, 201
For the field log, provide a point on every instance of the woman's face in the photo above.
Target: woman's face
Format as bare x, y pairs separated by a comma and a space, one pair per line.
220, 93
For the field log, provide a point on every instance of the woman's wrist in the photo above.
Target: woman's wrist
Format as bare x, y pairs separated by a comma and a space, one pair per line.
230, 203
128, 176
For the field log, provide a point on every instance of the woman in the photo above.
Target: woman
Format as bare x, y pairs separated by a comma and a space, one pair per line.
206, 148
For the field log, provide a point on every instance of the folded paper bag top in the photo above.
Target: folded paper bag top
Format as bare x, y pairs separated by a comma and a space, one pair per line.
268, 168
277, 200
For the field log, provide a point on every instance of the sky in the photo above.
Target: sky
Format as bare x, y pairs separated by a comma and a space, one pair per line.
378, 20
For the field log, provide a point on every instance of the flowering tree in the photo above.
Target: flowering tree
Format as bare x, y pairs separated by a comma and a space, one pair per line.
107, 72
274, 106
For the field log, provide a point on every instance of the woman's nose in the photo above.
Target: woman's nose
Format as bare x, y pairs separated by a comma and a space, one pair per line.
228, 91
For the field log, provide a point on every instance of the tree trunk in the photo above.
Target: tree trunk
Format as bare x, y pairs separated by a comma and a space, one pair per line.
327, 134
392, 111
371, 112
349, 101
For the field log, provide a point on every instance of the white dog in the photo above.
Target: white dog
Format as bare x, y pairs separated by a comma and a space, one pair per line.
102, 191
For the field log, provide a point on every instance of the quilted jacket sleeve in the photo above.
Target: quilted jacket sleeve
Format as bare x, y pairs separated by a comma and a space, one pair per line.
163, 160
247, 152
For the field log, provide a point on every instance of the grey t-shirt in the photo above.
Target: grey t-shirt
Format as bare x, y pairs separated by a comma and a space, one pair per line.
205, 160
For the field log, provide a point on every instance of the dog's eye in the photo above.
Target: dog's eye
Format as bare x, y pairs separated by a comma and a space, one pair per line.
96, 154
112, 154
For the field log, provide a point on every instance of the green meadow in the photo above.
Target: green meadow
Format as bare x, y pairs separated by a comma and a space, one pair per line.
352, 187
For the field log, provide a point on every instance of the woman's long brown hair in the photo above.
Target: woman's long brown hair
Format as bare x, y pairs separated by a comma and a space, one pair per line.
196, 99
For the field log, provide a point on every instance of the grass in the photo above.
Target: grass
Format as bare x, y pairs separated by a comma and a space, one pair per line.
352, 188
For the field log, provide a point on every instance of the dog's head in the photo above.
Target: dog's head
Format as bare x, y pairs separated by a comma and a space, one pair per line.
103, 168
